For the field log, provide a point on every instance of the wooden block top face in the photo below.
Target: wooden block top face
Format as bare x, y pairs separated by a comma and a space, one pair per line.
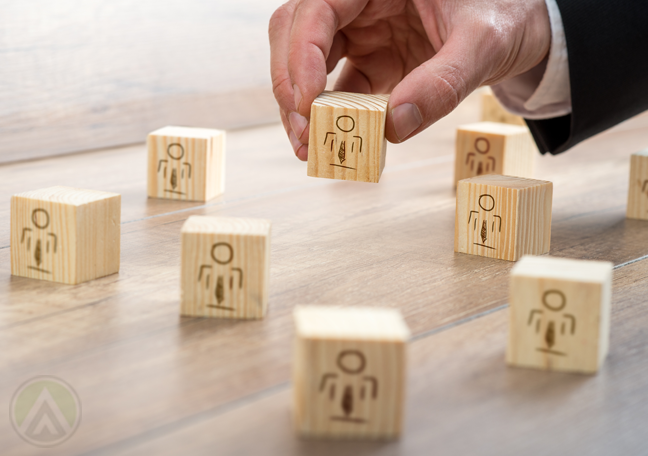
503, 216
493, 148
350, 323
563, 269
348, 100
66, 195
638, 186
226, 225
65, 234
188, 132
347, 136
559, 314
186, 163
494, 128
511, 182
349, 372
225, 267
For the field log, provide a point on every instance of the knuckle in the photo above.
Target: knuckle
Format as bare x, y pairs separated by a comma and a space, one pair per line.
451, 88
282, 90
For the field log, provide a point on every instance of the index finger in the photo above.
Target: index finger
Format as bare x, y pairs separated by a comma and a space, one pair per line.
279, 34
314, 27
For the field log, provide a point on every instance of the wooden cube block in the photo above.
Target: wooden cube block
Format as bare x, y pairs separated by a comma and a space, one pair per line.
186, 163
493, 148
493, 111
225, 267
638, 189
559, 317
347, 136
503, 217
65, 234
349, 372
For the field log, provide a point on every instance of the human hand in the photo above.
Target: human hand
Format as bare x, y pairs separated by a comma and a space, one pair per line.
429, 54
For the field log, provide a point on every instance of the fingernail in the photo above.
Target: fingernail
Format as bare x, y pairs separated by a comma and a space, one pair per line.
298, 123
296, 145
298, 96
407, 118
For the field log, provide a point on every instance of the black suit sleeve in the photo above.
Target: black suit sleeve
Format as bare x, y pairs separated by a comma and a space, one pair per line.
607, 45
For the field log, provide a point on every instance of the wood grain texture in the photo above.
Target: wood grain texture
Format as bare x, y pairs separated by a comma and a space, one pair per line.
492, 111
463, 399
493, 148
503, 217
225, 267
347, 136
638, 186
65, 234
349, 372
147, 377
559, 316
92, 76
186, 163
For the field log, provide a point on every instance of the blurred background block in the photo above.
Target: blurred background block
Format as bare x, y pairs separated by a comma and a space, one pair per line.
88, 74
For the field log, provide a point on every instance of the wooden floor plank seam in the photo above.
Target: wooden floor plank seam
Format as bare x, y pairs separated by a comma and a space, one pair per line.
276, 389
114, 448
404, 167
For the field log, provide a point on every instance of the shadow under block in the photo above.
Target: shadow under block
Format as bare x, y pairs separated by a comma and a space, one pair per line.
493, 111
349, 372
225, 265
347, 136
503, 217
186, 163
65, 234
493, 148
559, 315
638, 186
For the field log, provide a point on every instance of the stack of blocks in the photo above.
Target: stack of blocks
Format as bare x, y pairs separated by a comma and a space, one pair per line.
225, 267
186, 163
65, 234
349, 372
503, 217
347, 136
559, 317
493, 148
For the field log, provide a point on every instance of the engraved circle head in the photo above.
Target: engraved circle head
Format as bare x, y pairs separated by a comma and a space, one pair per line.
222, 253
345, 123
175, 151
351, 361
40, 218
487, 202
554, 300
482, 145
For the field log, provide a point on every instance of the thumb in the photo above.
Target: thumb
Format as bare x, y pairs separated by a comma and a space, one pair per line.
435, 88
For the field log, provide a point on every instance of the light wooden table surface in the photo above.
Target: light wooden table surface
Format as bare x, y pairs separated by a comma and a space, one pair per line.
152, 382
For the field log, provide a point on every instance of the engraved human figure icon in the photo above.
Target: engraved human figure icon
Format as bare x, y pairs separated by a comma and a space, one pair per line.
480, 161
350, 363
227, 278
553, 302
485, 223
44, 243
175, 170
643, 186
344, 142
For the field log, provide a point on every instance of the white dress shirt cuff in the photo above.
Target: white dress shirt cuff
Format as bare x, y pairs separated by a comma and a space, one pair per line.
544, 91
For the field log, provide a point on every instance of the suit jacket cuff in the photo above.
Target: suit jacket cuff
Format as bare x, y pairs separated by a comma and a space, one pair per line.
544, 91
